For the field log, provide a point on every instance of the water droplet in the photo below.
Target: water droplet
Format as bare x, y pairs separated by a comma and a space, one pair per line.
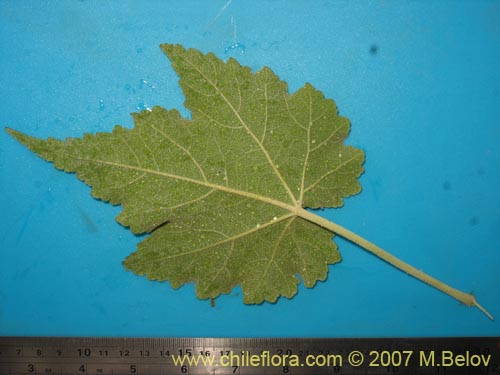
234, 46
145, 83
141, 106
275, 218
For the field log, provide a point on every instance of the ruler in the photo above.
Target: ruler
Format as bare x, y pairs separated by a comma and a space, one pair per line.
179, 356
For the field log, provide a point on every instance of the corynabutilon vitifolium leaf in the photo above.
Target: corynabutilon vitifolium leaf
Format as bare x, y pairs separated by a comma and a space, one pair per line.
223, 195
213, 191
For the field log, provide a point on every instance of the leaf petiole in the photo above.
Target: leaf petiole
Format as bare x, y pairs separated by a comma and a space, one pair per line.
465, 298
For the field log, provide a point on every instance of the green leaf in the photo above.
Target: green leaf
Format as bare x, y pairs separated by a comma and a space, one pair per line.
223, 195
216, 192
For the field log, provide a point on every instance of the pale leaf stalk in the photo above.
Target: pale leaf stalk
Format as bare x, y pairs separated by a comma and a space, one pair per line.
466, 298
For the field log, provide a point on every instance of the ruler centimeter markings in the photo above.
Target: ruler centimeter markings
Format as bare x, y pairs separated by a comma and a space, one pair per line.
241, 356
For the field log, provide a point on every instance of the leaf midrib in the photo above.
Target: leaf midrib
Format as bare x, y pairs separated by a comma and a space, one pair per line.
207, 184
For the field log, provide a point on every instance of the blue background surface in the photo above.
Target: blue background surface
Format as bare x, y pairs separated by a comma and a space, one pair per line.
425, 107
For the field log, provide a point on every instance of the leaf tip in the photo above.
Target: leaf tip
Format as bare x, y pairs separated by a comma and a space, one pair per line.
19, 136
171, 49
166, 46
308, 86
11, 131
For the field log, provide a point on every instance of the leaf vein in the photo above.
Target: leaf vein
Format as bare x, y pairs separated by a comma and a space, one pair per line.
219, 243
186, 151
331, 172
236, 113
329, 137
226, 189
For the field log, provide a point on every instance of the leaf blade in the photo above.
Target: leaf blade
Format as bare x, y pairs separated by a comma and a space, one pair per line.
221, 194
